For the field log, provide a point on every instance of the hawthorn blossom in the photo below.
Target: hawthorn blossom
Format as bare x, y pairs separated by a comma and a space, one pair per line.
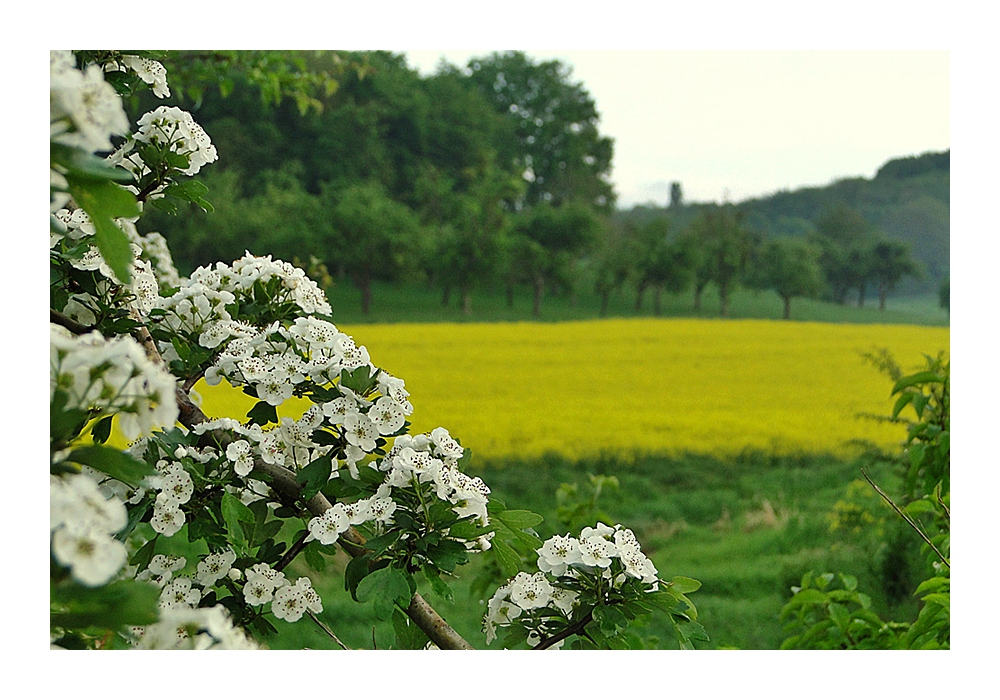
529, 591
179, 593
361, 431
387, 416
214, 567
84, 109
557, 553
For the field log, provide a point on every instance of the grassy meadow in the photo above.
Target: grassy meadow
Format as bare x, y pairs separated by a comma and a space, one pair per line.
734, 443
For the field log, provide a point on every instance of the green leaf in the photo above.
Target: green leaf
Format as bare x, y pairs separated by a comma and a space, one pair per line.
104, 202
519, 519
234, 511
507, 558
408, 635
64, 425
101, 430
314, 476
682, 585
942, 599
610, 618
263, 413
354, 573
314, 559
86, 166
840, 615
437, 583
935, 584
918, 378
359, 380
112, 462
109, 607
385, 588
142, 557
447, 554
901, 402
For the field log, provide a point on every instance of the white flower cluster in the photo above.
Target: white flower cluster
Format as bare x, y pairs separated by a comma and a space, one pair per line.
155, 246
288, 444
151, 72
171, 128
84, 109
192, 628
161, 569
289, 601
199, 304
113, 376
174, 487
430, 458
83, 523
609, 553
144, 286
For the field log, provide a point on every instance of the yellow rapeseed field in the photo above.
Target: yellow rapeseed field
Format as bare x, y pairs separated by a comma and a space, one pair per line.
644, 385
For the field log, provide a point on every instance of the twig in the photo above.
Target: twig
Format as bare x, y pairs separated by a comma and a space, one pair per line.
292, 552
912, 523
323, 626
575, 628
69, 324
282, 481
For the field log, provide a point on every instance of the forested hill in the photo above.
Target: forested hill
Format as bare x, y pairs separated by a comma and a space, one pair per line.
908, 199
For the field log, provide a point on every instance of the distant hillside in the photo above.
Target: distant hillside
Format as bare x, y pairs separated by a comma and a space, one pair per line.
908, 199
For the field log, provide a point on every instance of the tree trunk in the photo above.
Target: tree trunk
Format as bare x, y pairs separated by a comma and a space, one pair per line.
861, 296
366, 295
881, 299
698, 289
510, 295
724, 300
788, 308
446, 295
536, 308
639, 292
605, 298
656, 300
466, 302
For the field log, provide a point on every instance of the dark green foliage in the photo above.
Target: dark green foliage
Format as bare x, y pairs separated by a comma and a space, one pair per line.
789, 266
817, 618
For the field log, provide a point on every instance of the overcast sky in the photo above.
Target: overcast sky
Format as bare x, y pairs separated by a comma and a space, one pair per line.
738, 124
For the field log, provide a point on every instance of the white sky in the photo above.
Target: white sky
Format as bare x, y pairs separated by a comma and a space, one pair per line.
738, 124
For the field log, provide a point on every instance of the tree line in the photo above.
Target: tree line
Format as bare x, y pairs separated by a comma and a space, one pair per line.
489, 176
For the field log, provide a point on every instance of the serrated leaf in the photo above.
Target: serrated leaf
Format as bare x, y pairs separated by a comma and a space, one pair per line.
314, 476
233, 512
437, 583
385, 588
263, 413
408, 635
507, 558
101, 430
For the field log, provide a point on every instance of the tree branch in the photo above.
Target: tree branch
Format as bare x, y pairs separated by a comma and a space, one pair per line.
69, 324
283, 482
912, 523
575, 628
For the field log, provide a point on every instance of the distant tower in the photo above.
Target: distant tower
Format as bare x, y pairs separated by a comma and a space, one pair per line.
676, 196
